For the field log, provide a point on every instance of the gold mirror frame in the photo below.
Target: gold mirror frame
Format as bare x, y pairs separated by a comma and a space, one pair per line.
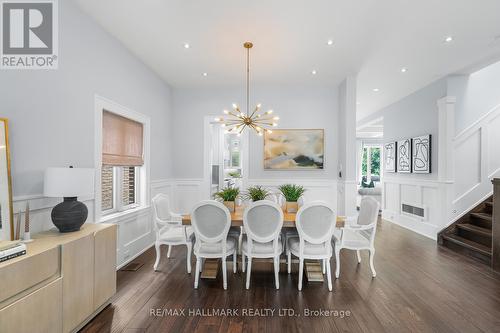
9, 178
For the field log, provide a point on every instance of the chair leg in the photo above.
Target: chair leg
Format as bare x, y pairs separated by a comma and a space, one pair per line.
243, 267
158, 254
372, 254
188, 257
197, 274
289, 262
240, 241
324, 266
235, 257
249, 269
276, 272
301, 272
202, 261
224, 273
359, 256
329, 275
337, 263
169, 251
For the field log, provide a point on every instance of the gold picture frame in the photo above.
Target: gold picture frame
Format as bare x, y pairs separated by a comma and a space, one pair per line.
6, 197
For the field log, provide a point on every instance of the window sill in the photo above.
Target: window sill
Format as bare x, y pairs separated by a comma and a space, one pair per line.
129, 213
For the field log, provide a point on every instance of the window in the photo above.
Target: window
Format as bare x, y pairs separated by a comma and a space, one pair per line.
122, 162
374, 169
119, 187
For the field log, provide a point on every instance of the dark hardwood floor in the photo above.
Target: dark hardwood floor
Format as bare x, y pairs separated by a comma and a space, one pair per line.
420, 287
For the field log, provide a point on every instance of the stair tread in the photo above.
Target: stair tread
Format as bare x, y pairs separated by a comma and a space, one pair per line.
484, 216
468, 244
475, 229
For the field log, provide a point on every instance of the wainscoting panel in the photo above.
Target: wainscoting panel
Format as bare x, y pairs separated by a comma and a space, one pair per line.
186, 193
477, 161
494, 145
468, 164
420, 193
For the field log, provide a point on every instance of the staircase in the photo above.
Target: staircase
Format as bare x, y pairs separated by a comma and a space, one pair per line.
471, 235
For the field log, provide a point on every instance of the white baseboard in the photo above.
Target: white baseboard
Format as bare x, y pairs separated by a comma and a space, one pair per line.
134, 256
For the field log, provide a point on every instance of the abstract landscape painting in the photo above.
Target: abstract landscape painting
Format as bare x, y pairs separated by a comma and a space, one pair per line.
404, 156
294, 149
421, 154
390, 156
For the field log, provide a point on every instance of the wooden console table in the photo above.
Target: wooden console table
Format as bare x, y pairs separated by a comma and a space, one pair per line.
61, 283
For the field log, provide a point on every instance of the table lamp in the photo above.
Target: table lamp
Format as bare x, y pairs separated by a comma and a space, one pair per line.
69, 183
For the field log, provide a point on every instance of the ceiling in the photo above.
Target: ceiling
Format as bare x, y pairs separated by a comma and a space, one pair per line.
373, 39
371, 130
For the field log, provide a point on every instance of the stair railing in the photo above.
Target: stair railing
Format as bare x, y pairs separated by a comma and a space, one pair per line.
495, 226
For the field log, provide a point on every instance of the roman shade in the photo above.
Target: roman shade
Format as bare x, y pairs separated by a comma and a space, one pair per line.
122, 141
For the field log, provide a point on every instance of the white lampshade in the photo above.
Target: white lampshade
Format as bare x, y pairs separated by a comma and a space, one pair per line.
68, 182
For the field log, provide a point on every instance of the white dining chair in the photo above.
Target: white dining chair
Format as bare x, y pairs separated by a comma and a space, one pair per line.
236, 233
211, 221
315, 224
169, 229
359, 233
262, 221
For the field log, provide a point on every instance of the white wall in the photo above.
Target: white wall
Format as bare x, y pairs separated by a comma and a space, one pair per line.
414, 115
51, 114
476, 94
297, 106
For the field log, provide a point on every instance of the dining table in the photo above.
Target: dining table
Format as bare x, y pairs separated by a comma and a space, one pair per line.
313, 268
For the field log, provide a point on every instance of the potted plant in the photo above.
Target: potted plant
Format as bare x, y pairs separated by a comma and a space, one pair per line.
256, 193
292, 194
228, 196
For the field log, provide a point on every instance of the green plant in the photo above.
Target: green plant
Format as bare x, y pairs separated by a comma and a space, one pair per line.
292, 192
234, 174
375, 161
228, 194
256, 193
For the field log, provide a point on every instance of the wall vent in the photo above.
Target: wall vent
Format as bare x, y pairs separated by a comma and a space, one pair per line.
414, 210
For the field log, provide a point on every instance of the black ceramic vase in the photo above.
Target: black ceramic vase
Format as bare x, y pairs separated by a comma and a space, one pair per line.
69, 215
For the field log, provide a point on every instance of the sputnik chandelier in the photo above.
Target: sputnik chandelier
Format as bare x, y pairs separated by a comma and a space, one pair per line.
235, 120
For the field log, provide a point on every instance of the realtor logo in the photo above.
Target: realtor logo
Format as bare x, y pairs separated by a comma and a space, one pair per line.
29, 34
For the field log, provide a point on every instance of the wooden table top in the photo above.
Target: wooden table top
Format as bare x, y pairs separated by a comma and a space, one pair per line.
237, 218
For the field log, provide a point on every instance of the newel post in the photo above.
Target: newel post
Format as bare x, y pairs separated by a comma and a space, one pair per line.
495, 255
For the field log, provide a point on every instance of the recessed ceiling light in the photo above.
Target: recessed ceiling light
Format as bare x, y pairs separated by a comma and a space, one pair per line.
358, 103
314, 72
448, 39
404, 70
187, 46
329, 42
205, 74
376, 89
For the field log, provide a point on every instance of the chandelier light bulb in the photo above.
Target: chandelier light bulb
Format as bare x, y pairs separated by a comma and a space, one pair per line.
276, 118
225, 112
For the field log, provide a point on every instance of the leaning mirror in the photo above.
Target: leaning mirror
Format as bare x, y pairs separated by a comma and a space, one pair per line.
6, 210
